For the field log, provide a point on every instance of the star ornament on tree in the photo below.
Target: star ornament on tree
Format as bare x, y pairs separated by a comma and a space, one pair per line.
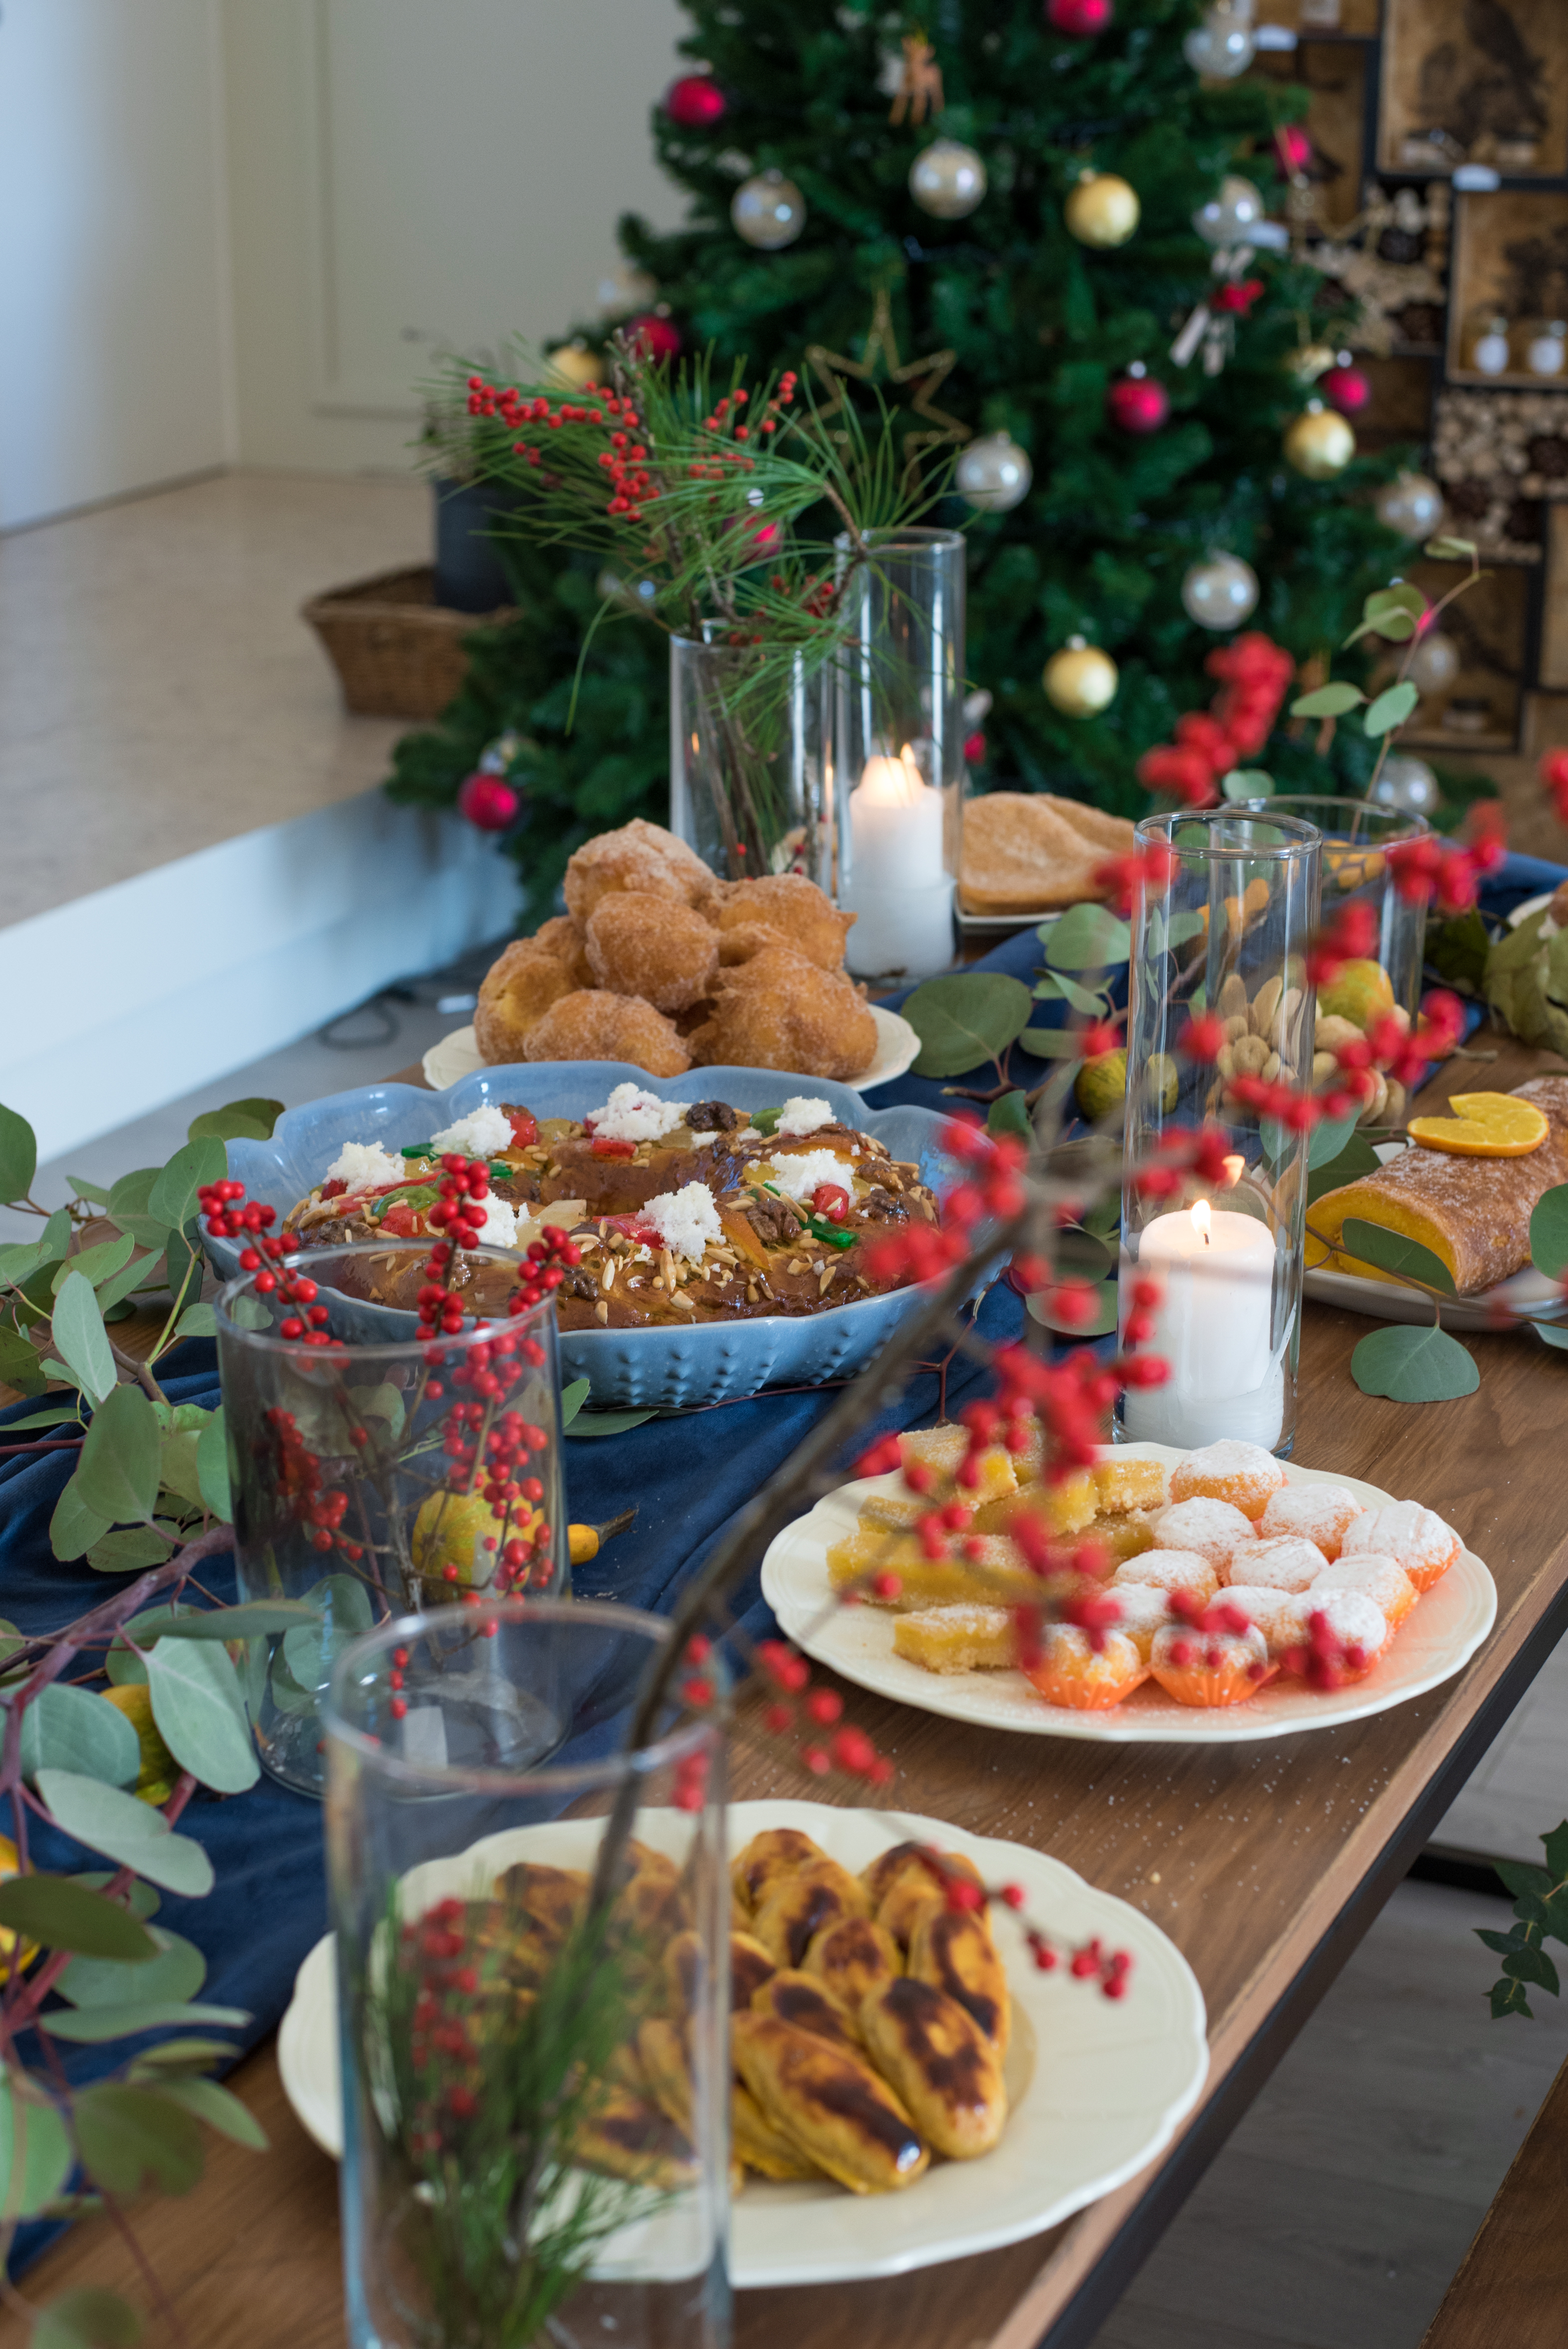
882, 363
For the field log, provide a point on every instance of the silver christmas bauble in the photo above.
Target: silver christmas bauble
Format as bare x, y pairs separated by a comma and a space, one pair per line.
994, 474
768, 212
1410, 503
1229, 218
1223, 45
1435, 663
1406, 783
1219, 592
947, 180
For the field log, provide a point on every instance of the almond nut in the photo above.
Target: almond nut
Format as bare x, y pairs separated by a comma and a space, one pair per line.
1266, 1003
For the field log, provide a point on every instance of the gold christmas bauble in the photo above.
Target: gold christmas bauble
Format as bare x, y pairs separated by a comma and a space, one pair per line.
1102, 210
1313, 359
1081, 680
575, 365
1319, 443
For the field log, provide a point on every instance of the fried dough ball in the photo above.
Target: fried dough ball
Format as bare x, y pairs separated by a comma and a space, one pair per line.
591, 1025
515, 993
564, 937
781, 1011
744, 939
644, 945
640, 857
787, 902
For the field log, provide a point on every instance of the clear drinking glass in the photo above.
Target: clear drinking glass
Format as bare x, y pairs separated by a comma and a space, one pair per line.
1228, 935
511, 2178
360, 1469
1357, 837
747, 758
897, 751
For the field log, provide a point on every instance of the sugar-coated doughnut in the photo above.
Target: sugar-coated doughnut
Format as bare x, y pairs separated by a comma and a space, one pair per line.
1287, 1564
1382, 1579
805, 917
1070, 1672
1279, 1615
652, 946
592, 1025
642, 856
1209, 1667
515, 993
1242, 1473
1424, 1545
781, 1010
1356, 1626
1215, 1529
1318, 1512
1168, 1569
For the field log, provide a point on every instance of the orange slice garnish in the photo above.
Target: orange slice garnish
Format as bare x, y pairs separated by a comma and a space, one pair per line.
1489, 1125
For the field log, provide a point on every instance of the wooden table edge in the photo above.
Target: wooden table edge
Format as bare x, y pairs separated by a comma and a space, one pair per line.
1092, 2265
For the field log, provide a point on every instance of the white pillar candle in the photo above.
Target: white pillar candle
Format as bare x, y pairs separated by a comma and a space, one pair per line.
899, 884
1212, 1328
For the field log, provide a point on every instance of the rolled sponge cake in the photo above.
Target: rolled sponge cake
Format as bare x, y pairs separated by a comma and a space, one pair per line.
1472, 1213
1026, 852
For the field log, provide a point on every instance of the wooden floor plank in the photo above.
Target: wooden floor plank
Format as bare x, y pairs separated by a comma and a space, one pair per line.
1511, 2291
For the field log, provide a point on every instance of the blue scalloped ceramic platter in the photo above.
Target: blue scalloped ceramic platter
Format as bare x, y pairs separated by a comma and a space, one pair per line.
670, 1369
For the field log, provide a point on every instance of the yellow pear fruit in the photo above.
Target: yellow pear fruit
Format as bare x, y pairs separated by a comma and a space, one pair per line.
1362, 991
155, 1780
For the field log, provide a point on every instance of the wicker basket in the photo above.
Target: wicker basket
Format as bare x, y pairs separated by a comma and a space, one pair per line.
397, 653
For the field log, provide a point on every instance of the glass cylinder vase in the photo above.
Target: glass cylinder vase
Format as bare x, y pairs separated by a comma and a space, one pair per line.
1228, 935
898, 750
382, 1473
747, 786
533, 1977
1356, 836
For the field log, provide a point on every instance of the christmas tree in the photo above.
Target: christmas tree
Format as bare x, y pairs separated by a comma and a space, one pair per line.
1043, 236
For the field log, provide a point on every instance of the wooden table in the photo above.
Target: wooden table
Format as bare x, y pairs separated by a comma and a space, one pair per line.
1264, 1863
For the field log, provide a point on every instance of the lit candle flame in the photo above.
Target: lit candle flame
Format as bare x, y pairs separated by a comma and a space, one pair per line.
1234, 1169
1200, 1220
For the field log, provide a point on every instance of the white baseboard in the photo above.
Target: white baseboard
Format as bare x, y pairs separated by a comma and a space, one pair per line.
131, 996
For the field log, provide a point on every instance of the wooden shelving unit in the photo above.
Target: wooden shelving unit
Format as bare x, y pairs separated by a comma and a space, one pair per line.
1437, 196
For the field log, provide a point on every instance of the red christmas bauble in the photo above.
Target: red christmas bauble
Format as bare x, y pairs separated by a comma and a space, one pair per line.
489, 803
696, 102
655, 335
1292, 147
1348, 388
1136, 403
1081, 20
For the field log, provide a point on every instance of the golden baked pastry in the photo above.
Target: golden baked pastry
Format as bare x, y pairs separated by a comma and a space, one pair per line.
652, 948
804, 917
744, 939
662, 2053
879, 1875
852, 1957
797, 1906
952, 1949
806, 2001
947, 2075
1472, 1213
759, 2145
566, 940
1028, 851
627, 2136
916, 1887
831, 2103
593, 1025
781, 1010
515, 993
776, 1853
749, 1966
641, 856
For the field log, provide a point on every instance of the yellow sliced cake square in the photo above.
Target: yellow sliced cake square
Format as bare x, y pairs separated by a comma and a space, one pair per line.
996, 1577
1122, 1483
958, 1639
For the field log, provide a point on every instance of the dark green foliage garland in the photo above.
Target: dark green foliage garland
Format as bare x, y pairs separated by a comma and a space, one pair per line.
1041, 325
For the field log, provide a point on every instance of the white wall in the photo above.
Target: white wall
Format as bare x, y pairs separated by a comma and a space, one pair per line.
409, 174
114, 335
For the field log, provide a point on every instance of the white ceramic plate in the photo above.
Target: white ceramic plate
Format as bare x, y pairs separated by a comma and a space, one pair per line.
1530, 906
1097, 2088
457, 1055
1445, 1631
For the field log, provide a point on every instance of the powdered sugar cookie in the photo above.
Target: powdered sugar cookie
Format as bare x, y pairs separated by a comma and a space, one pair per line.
1356, 1627
1288, 1564
1242, 1473
1214, 1529
1317, 1512
1144, 1610
1424, 1545
1279, 1615
1209, 1668
1383, 1580
1072, 1673
1168, 1569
